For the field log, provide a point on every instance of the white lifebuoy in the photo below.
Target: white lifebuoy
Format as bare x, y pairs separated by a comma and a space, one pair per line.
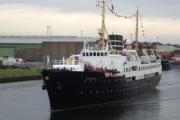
108, 74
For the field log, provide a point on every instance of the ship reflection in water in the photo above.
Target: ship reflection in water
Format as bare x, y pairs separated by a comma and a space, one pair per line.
26, 101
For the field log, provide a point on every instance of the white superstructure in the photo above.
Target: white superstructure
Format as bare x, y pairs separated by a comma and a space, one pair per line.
127, 63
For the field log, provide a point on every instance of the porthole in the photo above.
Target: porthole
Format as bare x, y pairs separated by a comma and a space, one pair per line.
107, 91
117, 90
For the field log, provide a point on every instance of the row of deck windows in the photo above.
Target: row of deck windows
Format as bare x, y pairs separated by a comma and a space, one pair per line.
94, 53
140, 68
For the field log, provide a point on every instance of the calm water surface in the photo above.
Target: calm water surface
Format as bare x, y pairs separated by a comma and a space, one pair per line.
26, 101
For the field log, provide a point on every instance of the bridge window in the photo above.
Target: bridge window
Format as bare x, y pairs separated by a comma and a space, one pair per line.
87, 54
94, 54
90, 53
98, 54
101, 53
84, 54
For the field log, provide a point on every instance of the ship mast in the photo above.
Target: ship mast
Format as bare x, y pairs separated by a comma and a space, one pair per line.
137, 29
103, 30
103, 25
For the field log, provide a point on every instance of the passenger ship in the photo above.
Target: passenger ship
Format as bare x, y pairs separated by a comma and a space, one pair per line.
110, 71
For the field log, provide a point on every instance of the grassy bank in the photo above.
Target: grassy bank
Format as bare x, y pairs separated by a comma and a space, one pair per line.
18, 72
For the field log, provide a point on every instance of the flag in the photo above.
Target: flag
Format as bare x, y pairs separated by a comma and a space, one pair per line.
112, 7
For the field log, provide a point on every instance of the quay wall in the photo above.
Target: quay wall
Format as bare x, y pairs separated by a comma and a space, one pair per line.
19, 79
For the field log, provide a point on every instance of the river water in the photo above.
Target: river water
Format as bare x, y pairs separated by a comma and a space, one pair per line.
26, 101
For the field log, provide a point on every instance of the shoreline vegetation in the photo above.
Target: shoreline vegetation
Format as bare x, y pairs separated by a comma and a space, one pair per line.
19, 74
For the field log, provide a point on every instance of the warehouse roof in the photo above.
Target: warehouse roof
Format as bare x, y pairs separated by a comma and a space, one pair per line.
40, 39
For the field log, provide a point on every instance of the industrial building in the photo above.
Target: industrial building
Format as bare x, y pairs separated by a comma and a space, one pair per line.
34, 48
9, 49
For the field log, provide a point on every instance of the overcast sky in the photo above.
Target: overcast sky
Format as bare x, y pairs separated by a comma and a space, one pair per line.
68, 17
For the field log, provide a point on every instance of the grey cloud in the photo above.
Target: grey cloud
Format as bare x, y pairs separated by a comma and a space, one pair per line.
150, 8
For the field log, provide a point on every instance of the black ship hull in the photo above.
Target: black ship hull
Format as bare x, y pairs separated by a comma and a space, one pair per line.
68, 90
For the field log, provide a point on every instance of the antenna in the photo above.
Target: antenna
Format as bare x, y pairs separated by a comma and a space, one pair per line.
81, 33
157, 37
137, 27
157, 45
131, 36
49, 32
84, 47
